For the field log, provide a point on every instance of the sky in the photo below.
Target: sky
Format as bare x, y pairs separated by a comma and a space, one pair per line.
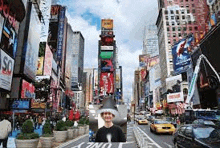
130, 18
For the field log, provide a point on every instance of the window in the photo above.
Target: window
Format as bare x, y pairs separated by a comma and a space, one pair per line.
173, 23
193, 5
179, 28
171, 11
190, 28
182, 11
173, 29
166, 17
167, 23
166, 12
168, 35
188, 11
168, 41
177, 12
183, 17
172, 17
177, 17
174, 34
168, 29
179, 34
184, 28
188, 131
174, 41
189, 22
193, 11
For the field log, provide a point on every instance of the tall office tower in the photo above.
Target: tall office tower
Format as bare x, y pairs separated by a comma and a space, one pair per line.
176, 20
150, 43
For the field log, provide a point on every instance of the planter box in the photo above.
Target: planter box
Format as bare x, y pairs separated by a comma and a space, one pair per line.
60, 136
47, 142
76, 132
81, 130
28, 143
70, 133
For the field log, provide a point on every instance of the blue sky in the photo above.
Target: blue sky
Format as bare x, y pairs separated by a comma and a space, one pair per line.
130, 17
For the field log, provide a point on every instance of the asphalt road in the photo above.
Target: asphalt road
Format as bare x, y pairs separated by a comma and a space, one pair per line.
163, 140
83, 142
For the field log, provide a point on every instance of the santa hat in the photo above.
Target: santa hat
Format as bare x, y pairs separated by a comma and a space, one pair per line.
108, 105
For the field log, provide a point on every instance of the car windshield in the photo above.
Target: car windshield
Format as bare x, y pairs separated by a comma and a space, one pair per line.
208, 132
160, 122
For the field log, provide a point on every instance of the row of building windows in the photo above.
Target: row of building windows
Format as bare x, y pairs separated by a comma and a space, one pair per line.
180, 11
182, 28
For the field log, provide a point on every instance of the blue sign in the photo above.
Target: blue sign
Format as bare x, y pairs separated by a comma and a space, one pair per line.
20, 104
181, 56
60, 33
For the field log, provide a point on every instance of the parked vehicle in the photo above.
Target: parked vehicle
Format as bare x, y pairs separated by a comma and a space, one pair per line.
142, 121
162, 126
203, 122
197, 136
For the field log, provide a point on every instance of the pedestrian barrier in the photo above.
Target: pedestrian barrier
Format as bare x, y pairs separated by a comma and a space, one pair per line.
140, 138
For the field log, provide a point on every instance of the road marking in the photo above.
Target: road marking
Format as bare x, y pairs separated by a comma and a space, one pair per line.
150, 138
78, 146
170, 146
71, 141
121, 143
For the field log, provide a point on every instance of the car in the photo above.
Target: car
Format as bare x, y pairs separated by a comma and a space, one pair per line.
196, 136
172, 121
162, 126
204, 122
142, 121
151, 118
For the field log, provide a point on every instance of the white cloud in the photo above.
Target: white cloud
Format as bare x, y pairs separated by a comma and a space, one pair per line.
130, 17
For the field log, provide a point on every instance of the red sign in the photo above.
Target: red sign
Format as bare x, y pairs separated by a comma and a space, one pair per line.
55, 10
48, 61
106, 83
27, 90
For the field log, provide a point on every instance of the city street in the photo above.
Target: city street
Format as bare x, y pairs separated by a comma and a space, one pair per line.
83, 142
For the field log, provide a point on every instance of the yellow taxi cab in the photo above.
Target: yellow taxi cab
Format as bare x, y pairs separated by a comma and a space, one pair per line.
162, 126
142, 121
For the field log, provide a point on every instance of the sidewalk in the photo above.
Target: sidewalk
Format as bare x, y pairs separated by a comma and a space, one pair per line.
11, 139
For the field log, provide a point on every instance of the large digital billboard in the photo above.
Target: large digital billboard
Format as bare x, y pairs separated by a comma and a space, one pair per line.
181, 56
48, 61
106, 83
107, 24
106, 54
28, 90
6, 70
107, 66
143, 60
20, 104
31, 47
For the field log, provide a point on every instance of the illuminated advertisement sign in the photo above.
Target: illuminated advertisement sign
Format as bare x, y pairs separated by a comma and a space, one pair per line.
118, 78
27, 90
143, 73
107, 48
181, 56
106, 83
60, 33
31, 47
107, 66
35, 104
153, 61
143, 60
107, 24
175, 97
55, 10
6, 70
40, 65
20, 104
48, 61
106, 54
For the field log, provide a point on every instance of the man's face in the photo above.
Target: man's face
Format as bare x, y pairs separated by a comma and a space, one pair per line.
107, 116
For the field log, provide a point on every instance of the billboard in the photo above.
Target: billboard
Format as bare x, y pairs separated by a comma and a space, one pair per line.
118, 78
172, 81
106, 83
31, 46
45, 7
106, 54
28, 90
107, 48
20, 104
35, 104
55, 11
6, 70
153, 61
143, 73
40, 65
181, 56
175, 97
107, 24
107, 66
60, 33
48, 61
143, 60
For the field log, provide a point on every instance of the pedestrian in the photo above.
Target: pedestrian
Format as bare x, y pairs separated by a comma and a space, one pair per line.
109, 132
35, 122
5, 129
39, 121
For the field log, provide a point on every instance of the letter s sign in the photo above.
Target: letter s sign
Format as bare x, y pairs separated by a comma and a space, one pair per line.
7, 66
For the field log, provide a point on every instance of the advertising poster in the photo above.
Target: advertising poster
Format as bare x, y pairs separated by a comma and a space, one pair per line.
172, 81
28, 90
20, 104
118, 78
175, 97
143, 60
143, 73
95, 81
55, 11
6, 70
153, 61
48, 61
60, 33
32, 46
40, 65
107, 48
106, 54
107, 24
106, 83
107, 66
181, 56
